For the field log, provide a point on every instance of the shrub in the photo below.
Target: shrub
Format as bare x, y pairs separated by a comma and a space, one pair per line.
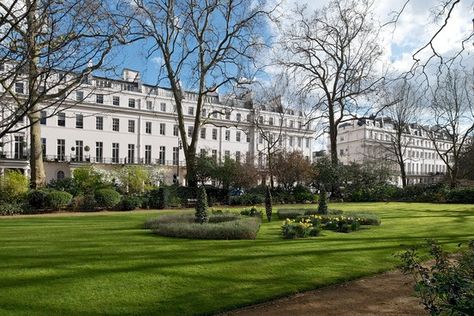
323, 203
107, 198
446, 287
58, 199
268, 204
201, 206
247, 199
464, 195
184, 226
13, 186
84, 203
253, 212
342, 224
220, 218
89, 179
330, 212
303, 228
7, 208
302, 194
158, 198
289, 213
66, 184
37, 198
129, 203
365, 218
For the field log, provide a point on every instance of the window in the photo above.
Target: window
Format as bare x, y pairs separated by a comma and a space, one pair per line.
307, 142
227, 115
227, 134
79, 150
203, 133
237, 136
162, 155
148, 154
238, 117
214, 114
61, 149
260, 139
248, 138
131, 153
175, 130
299, 142
99, 98
99, 123
149, 105
79, 96
291, 141
116, 101
162, 129
116, 124
131, 126
203, 152
227, 154
292, 124
300, 125
148, 127
163, 107
19, 147
214, 133
190, 131
79, 121
43, 146
190, 110
43, 117
203, 112
237, 156
61, 119
60, 175
175, 156
249, 118
270, 121
115, 152
131, 103
214, 154
260, 119
99, 151
19, 87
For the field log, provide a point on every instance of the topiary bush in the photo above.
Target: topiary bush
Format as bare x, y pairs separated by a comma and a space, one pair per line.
129, 203
37, 198
201, 206
58, 199
323, 202
268, 204
184, 226
107, 198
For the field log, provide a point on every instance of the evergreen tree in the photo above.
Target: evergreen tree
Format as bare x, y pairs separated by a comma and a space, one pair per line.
268, 204
323, 203
201, 206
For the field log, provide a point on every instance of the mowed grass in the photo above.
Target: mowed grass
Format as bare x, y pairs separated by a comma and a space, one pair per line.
107, 264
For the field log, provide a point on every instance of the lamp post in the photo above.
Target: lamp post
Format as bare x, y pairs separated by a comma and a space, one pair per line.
180, 146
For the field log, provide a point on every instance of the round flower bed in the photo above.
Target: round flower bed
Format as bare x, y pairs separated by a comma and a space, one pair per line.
224, 226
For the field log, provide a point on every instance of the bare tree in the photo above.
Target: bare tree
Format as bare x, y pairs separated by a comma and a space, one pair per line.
334, 51
47, 49
452, 110
398, 118
203, 43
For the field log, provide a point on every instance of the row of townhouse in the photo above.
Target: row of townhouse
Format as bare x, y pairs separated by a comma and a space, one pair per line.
111, 122
371, 139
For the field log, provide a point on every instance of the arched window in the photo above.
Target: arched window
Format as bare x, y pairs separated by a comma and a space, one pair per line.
60, 175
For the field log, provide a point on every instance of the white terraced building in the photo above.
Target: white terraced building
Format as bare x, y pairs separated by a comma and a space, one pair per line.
367, 140
109, 122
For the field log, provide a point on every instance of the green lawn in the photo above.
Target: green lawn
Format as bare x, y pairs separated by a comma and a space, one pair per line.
107, 264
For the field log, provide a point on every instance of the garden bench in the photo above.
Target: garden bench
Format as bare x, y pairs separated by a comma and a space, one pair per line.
191, 202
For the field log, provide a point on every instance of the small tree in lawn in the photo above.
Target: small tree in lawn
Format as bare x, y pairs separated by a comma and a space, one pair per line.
268, 204
201, 206
323, 203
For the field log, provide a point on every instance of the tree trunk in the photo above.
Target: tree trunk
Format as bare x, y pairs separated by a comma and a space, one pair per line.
191, 179
333, 135
403, 174
36, 151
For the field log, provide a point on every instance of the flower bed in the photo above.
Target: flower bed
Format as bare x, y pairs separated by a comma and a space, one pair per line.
224, 226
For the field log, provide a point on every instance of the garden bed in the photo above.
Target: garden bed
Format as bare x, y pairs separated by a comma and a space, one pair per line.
223, 226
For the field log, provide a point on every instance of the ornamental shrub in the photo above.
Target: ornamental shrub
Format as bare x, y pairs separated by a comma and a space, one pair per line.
129, 203
268, 204
158, 198
107, 198
201, 206
84, 203
37, 198
462, 195
14, 186
303, 228
323, 203
58, 199
253, 212
290, 213
8, 208
445, 287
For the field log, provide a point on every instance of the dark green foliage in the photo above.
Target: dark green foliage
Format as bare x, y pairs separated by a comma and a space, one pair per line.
462, 195
107, 198
303, 228
85, 203
58, 199
268, 204
66, 184
158, 198
330, 212
447, 286
365, 218
37, 198
252, 212
290, 213
130, 203
323, 203
219, 227
201, 206
7, 208
247, 199
302, 194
